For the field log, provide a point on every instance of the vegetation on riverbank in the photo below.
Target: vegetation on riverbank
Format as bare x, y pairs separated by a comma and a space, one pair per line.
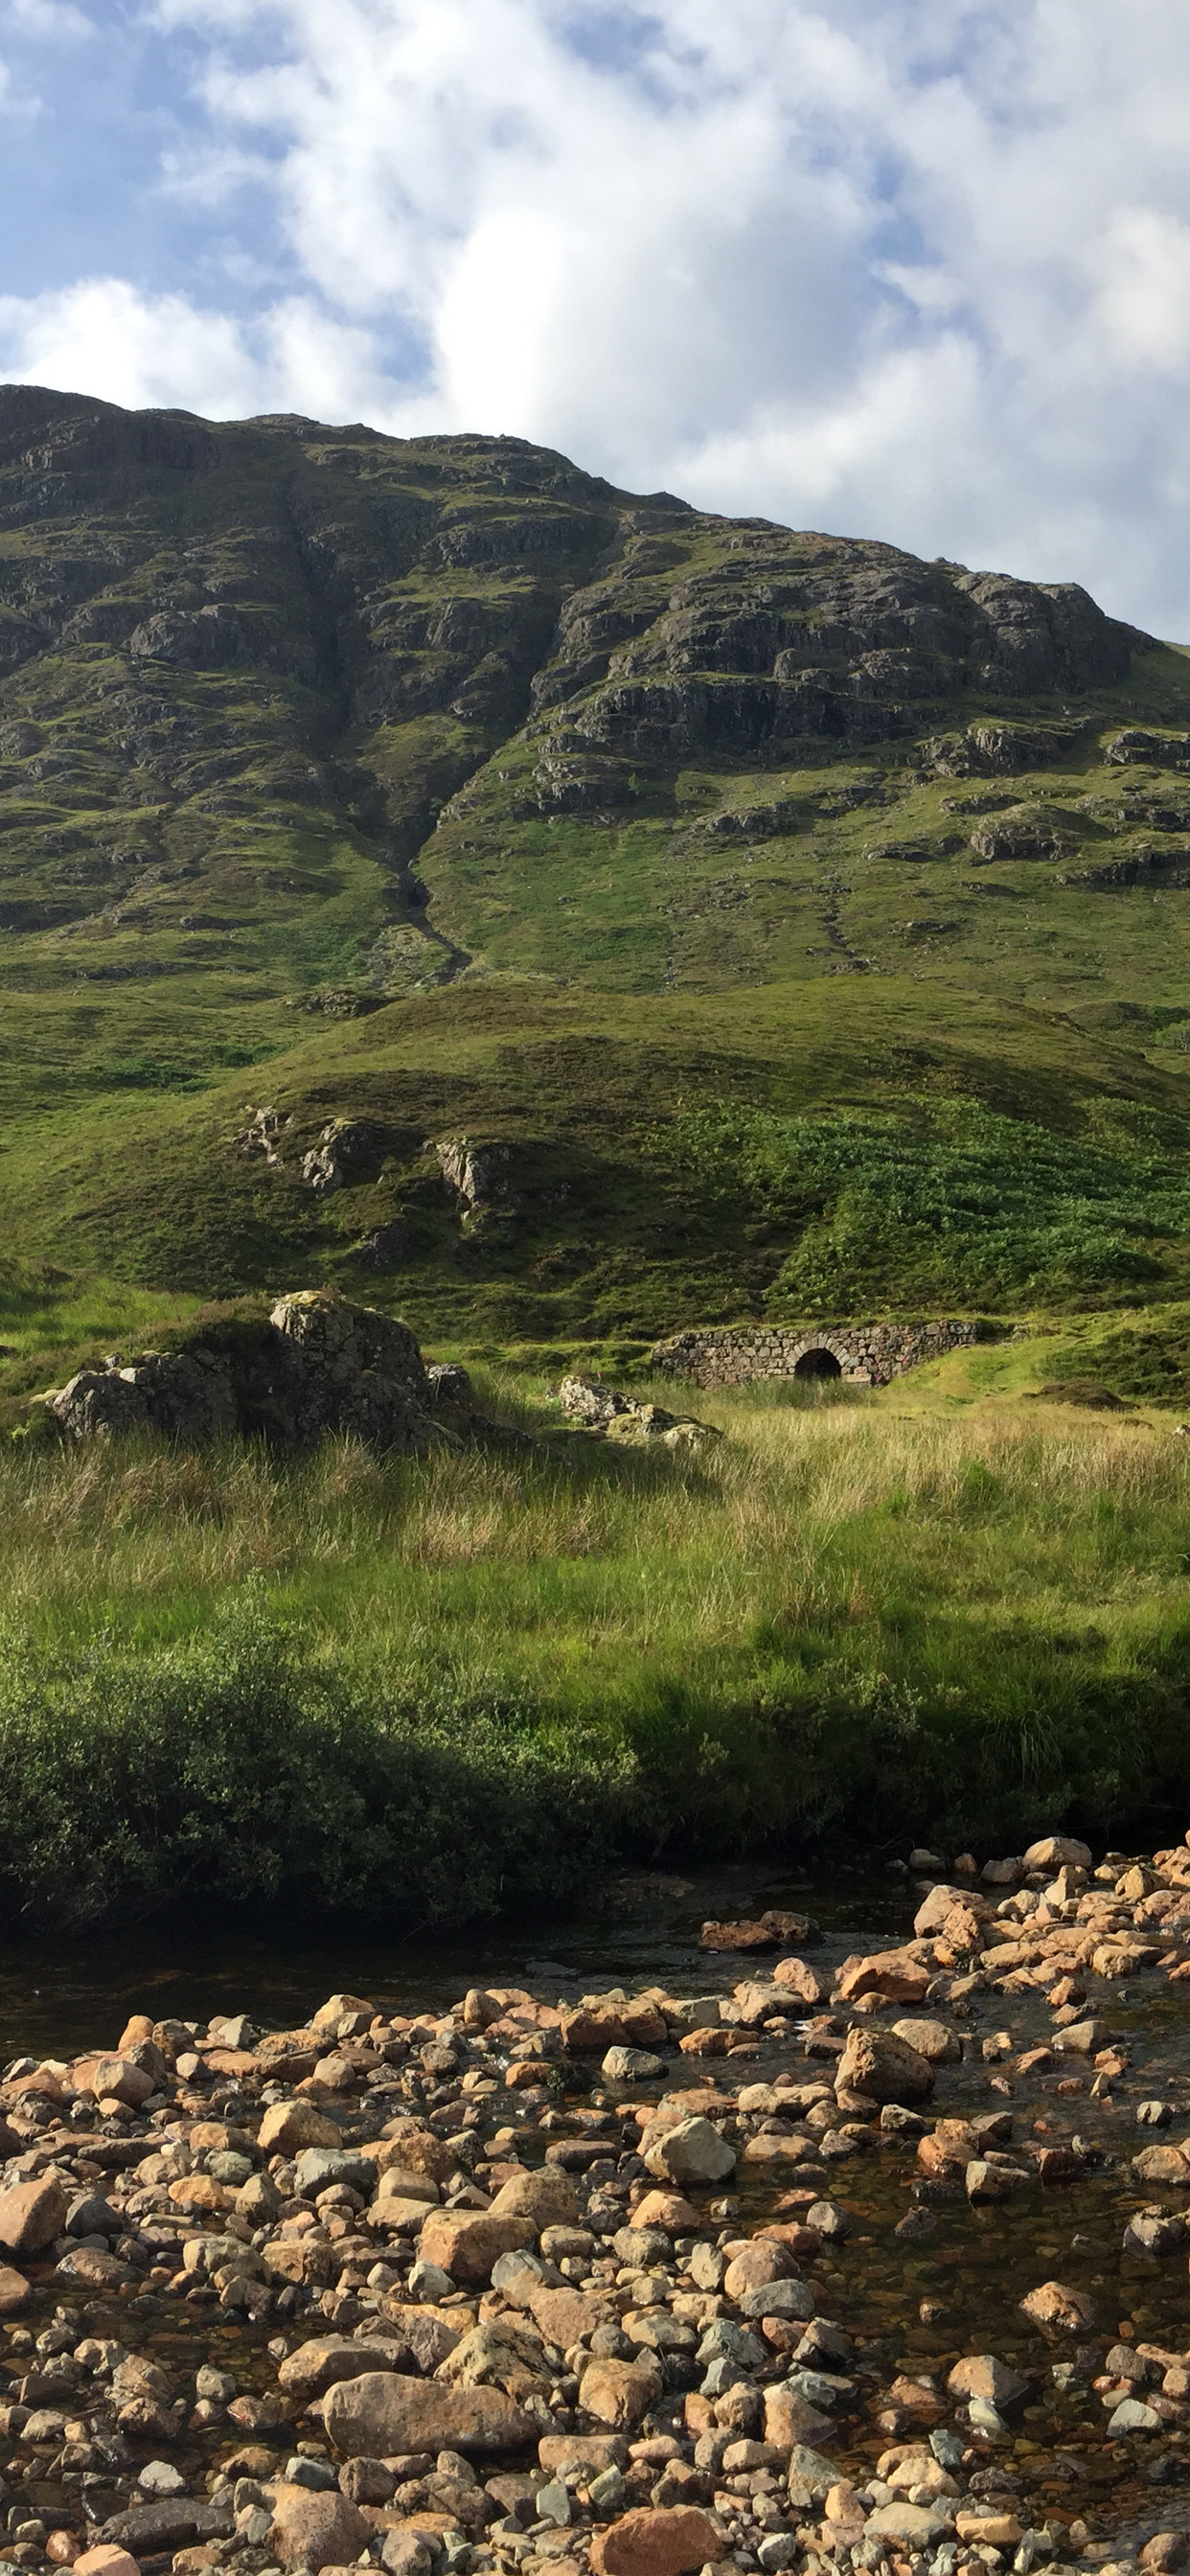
440, 1688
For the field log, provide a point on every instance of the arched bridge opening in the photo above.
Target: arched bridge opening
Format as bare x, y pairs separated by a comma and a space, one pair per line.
818, 1362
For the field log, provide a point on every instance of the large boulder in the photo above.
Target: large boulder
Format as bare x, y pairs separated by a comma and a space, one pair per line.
656, 2541
316, 2529
378, 2414
348, 1150
319, 1365
32, 2214
189, 1395
884, 2067
691, 2152
466, 2242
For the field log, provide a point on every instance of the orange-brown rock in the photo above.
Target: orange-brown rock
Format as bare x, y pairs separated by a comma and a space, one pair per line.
466, 2242
379, 2414
412, 2145
764, 2259
592, 2028
983, 2374
199, 2191
566, 2315
32, 2214
596, 2451
14, 2291
884, 2068
790, 2418
656, 2541
107, 2560
1163, 2165
800, 1980
316, 2528
115, 2078
287, 2127
989, 2530
1059, 2310
669, 2211
882, 1972
947, 2150
619, 2392
546, 2199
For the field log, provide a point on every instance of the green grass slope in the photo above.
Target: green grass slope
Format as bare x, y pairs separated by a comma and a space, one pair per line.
806, 926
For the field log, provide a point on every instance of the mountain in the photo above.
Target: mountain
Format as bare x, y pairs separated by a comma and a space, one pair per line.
561, 913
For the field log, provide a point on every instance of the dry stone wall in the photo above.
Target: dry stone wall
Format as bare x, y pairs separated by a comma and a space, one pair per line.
864, 1354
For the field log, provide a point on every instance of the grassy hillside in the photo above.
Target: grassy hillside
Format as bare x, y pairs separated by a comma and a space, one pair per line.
805, 922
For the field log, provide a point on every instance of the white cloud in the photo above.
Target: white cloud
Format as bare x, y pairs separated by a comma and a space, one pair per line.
916, 267
106, 338
57, 20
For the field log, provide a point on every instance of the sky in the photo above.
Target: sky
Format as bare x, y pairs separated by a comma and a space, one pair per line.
910, 269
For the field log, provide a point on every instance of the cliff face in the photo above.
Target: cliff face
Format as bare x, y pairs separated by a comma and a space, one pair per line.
224, 649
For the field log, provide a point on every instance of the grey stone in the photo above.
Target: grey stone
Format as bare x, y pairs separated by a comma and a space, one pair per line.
792, 2299
317, 2168
1133, 2416
733, 2343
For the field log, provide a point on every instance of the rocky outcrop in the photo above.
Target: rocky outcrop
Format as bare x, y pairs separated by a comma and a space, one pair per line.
478, 1176
1134, 748
998, 750
207, 640
385, 1248
863, 1354
622, 1419
801, 635
349, 1149
1026, 832
319, 1365
263, 1134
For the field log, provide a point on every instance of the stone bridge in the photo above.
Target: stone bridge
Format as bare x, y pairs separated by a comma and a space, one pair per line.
863, 1354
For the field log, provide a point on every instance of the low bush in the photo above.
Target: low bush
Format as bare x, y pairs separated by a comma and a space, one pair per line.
236, 1765
946, 1202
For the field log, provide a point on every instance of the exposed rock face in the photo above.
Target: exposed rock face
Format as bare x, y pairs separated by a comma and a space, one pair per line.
208, 640
349, 1149
477, 1176
319, 1365
1025, 832
451, 1396
188, 1395
263, 1135
385, 1248
989, 750
623, 1419
833, 638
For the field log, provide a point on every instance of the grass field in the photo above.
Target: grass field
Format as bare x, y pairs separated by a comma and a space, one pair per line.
438, 1687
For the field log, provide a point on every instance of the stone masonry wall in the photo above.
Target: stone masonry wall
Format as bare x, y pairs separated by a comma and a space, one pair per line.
868, 1354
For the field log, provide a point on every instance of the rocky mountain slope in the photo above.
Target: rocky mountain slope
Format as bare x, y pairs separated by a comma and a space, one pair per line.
664, 899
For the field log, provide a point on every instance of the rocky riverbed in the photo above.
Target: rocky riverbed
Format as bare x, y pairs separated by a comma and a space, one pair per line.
799, 2260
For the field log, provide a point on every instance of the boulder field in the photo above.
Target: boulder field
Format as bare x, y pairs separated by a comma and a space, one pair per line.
542, 2287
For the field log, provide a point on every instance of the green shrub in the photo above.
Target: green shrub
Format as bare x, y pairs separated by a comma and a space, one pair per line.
237, 1766
939, 1202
